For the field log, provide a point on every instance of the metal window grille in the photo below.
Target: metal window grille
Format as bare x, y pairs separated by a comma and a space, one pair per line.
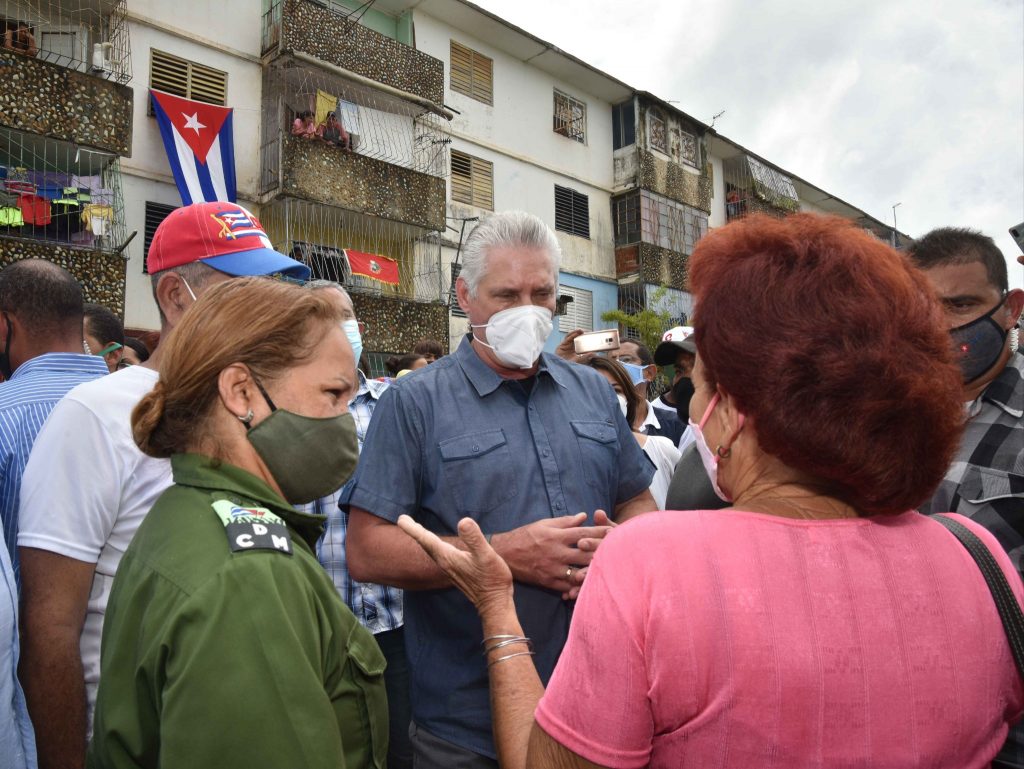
472, 180
570, 117
60, 192
472, 73
155, 214
572, 212
84, 35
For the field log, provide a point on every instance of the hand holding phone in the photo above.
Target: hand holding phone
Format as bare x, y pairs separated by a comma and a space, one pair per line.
597, 341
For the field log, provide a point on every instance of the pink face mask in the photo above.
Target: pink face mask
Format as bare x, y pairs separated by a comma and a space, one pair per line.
707, 457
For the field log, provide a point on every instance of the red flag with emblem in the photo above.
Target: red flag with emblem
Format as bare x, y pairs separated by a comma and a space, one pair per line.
373, 266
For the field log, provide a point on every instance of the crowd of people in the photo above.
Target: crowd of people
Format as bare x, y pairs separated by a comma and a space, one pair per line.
244, 550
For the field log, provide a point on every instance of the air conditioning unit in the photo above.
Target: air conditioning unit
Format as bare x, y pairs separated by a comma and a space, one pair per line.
102, 58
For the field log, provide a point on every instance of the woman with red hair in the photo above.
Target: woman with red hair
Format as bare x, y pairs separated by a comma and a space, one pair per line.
818, 621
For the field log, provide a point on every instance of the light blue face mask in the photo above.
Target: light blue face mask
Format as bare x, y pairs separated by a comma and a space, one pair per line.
636, 373
351, 329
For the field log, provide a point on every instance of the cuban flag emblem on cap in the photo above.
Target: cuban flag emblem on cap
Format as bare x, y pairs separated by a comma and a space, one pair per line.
199, 141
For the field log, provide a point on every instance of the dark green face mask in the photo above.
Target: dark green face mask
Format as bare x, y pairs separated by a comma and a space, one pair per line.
309, 457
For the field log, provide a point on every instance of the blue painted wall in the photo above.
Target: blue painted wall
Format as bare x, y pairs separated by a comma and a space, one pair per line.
606, 297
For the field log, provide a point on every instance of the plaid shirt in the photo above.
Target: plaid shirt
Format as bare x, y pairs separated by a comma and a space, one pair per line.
986, 480
377, 607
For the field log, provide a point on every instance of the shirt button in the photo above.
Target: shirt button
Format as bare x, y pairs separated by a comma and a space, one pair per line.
476, 449
558, 505
545, 453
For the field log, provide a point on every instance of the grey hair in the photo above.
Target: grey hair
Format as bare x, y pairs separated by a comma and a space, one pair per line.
316, 285
504, 230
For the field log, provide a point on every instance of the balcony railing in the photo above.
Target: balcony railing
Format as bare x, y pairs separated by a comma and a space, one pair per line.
59, 192
88, 36
305, 27
321, 236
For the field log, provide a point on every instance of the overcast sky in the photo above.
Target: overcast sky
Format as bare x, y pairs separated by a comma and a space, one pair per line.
918, 102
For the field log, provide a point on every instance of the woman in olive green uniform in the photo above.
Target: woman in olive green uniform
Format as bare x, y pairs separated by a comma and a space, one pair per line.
225, 643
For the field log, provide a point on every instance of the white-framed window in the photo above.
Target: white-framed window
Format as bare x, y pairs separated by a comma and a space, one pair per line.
570, 117
579, 313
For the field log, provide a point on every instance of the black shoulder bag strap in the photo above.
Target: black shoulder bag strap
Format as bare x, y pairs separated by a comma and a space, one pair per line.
1009, 610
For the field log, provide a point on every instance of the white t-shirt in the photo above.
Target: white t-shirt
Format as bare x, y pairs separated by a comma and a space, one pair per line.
87, 488
663, 453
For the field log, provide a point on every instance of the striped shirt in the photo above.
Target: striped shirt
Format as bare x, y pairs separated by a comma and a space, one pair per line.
377, 607
25, 402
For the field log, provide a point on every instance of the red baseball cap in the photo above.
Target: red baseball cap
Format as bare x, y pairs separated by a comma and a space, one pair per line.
222, 235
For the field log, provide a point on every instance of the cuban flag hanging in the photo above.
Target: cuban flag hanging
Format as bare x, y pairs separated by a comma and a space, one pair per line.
200, 147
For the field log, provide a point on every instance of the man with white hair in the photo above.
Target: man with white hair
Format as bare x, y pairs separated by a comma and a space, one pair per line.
520, 441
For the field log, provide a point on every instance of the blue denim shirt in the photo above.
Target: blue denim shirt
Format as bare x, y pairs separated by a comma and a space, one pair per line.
454, 439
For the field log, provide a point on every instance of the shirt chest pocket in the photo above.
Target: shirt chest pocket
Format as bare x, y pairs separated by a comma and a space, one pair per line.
478, 471
987, 486
599, 452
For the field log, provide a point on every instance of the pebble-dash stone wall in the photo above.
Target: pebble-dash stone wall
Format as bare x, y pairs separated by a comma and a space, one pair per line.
331, 37
102, 275
42, 98
660, 266
673, 181
394, 325
323, 173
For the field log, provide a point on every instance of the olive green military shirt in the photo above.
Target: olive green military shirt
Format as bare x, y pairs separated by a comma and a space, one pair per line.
225, 643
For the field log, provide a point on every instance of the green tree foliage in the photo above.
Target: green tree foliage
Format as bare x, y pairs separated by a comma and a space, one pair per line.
649, 323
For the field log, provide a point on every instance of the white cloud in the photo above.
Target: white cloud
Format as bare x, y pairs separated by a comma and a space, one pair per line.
919, 102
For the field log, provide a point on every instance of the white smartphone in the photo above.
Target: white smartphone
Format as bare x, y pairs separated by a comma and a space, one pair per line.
597, 341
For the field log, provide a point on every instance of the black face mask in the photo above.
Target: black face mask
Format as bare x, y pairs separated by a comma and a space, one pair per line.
979, 344
5, 356
682, 391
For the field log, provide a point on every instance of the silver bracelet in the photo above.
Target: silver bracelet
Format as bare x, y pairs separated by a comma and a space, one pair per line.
526, 641
508, 657
496, 637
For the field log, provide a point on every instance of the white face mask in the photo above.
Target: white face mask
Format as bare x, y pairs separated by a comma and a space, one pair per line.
707, 457
517, 335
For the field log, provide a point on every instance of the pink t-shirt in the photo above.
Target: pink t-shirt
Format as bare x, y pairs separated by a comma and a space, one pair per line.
731, 639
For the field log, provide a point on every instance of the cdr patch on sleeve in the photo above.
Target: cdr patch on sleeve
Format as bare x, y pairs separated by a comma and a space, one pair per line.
252, 528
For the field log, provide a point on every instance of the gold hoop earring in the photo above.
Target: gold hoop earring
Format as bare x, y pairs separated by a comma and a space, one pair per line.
723, 454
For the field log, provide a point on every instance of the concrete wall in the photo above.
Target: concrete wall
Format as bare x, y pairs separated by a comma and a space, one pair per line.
315, 30
101, 275
320, 172
198, 32
394, 325
42, 98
